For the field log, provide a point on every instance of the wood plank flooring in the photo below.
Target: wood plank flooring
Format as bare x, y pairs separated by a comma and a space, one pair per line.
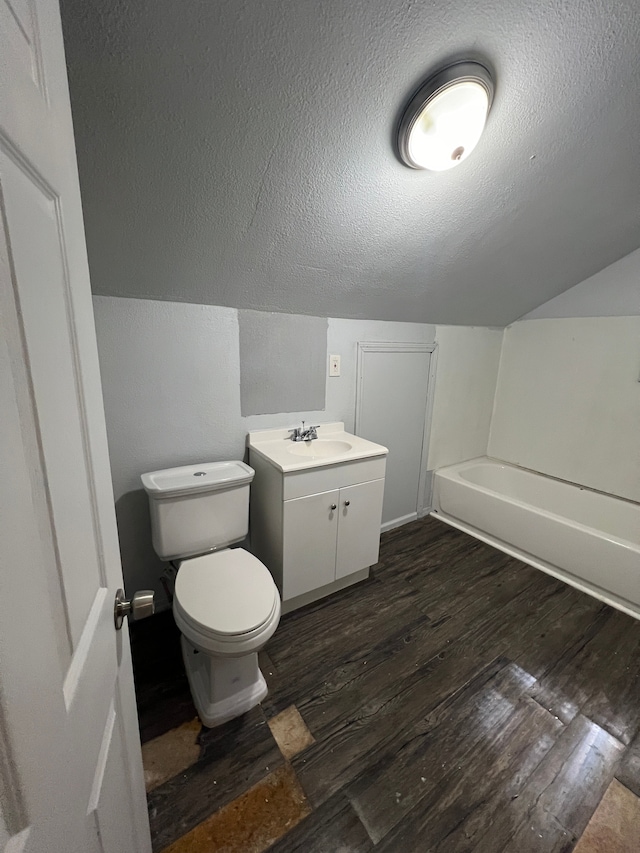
460, 701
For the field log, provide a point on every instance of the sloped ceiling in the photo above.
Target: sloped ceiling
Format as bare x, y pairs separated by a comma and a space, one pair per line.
240, 153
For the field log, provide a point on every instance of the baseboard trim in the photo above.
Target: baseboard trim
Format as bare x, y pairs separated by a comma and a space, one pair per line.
398, 522
290, 604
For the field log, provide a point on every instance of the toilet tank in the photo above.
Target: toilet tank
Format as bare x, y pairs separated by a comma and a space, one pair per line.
198, 508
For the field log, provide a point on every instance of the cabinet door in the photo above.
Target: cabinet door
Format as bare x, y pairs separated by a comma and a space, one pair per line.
310, 529
360, 511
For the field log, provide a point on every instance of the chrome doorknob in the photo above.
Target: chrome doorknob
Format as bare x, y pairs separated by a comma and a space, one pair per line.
334, 506
138, 607
347, 503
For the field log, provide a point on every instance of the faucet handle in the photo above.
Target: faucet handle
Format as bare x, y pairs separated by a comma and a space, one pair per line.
295, 434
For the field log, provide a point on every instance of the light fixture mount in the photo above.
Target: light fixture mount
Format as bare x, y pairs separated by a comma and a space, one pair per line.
444, 120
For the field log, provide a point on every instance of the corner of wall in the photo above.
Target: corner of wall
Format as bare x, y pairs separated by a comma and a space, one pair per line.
468, 368
497, 385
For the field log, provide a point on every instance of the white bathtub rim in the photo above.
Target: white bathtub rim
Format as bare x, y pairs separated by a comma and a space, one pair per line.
566, 577
502, 463
450, 470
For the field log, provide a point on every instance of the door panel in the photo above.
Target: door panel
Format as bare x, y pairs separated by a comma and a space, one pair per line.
19, 39
109, 797
360, 508
30, 212
70, 763
310, 529
392, 404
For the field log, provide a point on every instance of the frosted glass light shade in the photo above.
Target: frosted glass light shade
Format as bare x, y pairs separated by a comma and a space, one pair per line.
445, 119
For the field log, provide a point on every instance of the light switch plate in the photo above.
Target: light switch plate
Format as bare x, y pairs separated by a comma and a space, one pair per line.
334, 365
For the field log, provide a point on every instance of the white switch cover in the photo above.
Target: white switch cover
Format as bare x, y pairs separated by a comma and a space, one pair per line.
334, 365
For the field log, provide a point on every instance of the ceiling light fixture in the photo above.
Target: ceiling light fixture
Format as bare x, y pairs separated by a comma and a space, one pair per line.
444, 120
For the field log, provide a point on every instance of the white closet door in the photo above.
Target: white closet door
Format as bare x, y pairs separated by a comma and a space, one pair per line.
392, 397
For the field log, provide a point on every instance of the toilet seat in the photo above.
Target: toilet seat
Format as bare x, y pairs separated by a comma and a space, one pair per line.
226, 602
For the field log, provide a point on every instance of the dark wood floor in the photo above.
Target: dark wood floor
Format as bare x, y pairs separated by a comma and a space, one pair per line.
460, 701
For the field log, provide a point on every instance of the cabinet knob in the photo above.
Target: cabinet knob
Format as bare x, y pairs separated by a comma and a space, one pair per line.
334, 506
347, 503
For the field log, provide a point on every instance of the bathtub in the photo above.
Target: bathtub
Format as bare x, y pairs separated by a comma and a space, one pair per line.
586, 538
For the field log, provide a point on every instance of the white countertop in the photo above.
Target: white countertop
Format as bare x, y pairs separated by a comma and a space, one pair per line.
275, 446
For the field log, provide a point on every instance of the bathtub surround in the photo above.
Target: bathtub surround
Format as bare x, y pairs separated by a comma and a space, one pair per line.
468, 359
568, 397
568, 401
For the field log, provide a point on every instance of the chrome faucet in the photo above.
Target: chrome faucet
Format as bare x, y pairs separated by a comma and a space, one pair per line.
302, 434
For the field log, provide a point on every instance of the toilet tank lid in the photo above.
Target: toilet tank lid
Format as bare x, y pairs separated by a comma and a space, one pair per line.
190, 479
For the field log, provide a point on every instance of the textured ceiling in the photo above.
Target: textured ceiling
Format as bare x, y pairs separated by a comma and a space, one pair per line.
240, 153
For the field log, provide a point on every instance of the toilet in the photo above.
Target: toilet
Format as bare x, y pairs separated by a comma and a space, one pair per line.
226, 603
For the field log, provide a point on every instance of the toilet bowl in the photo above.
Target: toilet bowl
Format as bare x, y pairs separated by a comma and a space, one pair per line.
226, 606
226, 603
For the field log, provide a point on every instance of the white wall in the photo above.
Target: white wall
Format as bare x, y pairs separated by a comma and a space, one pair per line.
468, 359
613, 292
171, 383
568, 401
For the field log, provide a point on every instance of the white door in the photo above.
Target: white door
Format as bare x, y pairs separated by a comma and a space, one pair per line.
394, 386
360, 508
70, 765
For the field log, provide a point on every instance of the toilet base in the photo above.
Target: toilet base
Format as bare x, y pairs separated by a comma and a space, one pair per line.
222, 688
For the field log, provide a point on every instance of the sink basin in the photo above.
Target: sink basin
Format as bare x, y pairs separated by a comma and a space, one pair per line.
334, 447
319, 448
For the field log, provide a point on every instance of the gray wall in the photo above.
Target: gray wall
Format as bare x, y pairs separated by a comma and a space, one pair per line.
282, 362
172, 387
613, 292
242, 154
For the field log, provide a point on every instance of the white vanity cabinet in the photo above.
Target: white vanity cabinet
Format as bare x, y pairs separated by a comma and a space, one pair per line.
317, 529
329, 536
